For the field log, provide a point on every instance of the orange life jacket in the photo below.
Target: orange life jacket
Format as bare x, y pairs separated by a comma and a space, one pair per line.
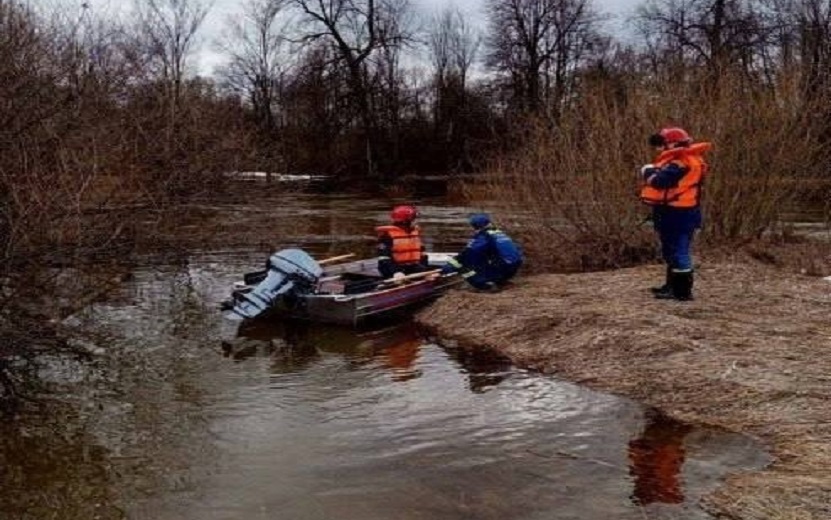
688, 192
406, 245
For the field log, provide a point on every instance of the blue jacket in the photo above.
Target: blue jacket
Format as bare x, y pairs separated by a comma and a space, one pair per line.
491, 253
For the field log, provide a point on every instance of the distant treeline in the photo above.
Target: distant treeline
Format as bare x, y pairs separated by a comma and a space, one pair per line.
98, 107
364, 88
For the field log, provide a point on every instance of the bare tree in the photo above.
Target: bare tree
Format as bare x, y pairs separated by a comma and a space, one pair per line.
22, 52
258, 60
317, 114
719, 34
357, 30
539, 44
805, 46
165, 33
169, 28
811, 21
453, 45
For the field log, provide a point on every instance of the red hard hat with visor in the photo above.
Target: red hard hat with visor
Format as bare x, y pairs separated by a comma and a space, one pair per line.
670, 137
404, 214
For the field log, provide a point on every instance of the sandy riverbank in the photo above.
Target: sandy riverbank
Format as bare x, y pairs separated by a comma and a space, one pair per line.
751, 354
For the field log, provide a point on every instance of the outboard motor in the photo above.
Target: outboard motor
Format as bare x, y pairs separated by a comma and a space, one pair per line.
290, 271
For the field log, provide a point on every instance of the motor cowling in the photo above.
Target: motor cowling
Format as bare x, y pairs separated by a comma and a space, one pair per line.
289, 271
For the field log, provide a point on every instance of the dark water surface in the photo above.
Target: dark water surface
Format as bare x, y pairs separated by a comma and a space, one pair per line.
379, 423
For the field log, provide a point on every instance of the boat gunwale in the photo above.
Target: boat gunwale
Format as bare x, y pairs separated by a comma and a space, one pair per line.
351, 304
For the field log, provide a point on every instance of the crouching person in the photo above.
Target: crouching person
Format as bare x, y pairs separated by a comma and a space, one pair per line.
490, 259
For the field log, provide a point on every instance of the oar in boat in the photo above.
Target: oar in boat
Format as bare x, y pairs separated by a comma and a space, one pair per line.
409, 277
365, 286
333, 259
258, 276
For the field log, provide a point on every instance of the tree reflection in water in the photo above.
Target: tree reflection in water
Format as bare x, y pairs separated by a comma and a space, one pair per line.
655, 460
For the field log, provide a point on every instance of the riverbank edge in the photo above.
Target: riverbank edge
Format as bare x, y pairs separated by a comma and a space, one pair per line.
750, 355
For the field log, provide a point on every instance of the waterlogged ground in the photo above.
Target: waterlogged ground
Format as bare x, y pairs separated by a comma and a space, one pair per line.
377, 423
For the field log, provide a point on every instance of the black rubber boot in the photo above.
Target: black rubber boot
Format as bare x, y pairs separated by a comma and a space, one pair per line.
669, 294
682, 286
667, 287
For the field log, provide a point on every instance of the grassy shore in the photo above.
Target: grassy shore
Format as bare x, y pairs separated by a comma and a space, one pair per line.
751, 354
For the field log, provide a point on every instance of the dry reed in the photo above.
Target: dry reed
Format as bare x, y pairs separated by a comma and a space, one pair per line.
570, 190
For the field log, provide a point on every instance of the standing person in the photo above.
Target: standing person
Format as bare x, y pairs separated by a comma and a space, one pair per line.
672, 186
490, 259
400, 248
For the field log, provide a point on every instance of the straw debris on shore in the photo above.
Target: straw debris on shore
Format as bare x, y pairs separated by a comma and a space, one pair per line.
751, 354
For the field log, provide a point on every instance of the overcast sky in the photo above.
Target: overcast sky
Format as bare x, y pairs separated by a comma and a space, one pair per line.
207, 57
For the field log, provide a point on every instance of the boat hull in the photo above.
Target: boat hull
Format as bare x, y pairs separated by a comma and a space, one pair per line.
331, 306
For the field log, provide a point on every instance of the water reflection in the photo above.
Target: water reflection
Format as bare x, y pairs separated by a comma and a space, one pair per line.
54, 467
396, 348
656, 458
398, 351
530, 434
484, 368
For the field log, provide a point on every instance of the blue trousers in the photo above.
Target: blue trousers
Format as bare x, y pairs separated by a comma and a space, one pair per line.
676, 229
492, 275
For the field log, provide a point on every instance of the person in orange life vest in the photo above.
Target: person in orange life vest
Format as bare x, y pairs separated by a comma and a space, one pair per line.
400, 248
672, 187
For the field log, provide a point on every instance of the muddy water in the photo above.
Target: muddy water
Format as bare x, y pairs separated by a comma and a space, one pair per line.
323, 423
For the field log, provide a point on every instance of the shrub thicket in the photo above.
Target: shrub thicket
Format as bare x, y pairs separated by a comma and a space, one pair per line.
571, 188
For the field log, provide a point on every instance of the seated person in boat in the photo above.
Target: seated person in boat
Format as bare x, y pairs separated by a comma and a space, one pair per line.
490, 259
400, 249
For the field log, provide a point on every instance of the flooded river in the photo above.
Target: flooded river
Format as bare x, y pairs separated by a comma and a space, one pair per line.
330, 423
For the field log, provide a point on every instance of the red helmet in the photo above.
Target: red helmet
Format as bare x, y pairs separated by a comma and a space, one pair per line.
670, 137
404, 214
